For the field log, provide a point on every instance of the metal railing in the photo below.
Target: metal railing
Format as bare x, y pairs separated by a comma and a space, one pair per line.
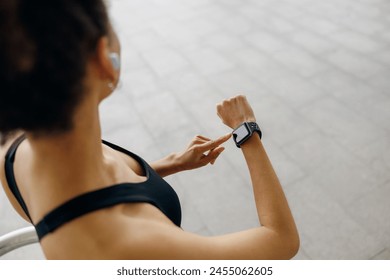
16, 239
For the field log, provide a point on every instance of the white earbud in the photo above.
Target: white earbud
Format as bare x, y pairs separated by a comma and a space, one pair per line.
115, 60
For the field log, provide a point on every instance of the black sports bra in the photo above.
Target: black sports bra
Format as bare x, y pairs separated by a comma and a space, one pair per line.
154, 190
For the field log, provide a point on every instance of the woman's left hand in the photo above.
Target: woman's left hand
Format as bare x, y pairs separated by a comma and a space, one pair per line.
201, 151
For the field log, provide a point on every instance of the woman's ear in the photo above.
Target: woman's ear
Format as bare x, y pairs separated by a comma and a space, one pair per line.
104, 61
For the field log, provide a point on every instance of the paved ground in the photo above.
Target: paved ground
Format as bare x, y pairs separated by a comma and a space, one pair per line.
317, 74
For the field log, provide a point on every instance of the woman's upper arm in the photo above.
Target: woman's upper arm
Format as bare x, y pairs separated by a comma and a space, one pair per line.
170, 242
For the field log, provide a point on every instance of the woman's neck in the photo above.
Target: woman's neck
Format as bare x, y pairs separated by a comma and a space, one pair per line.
74, 155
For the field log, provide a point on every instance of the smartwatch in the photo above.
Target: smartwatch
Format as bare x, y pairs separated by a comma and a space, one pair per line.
244, 132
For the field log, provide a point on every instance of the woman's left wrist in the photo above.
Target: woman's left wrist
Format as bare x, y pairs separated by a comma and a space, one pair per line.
174, 162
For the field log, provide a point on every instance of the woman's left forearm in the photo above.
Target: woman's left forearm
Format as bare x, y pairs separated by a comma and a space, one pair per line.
167, 166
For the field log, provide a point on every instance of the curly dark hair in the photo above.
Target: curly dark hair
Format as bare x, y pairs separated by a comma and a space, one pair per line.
44, 48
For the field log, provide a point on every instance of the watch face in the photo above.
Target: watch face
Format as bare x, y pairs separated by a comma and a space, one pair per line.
241, 133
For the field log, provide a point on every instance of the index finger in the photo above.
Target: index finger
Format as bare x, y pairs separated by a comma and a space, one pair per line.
214, 143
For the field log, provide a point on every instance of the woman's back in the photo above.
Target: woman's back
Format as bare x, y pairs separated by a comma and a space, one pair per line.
107, 223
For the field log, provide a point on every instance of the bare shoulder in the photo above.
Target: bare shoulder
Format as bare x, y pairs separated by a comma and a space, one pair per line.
132, 163
3, 151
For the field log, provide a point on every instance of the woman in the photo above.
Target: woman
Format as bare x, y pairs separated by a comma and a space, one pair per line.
90, 199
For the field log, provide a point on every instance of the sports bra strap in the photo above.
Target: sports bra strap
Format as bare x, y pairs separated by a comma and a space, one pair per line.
90, 202
10, 175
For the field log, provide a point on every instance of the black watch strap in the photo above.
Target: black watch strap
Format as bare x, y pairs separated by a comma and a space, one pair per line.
255, 128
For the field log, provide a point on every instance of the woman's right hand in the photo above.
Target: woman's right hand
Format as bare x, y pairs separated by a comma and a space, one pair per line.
234, 111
